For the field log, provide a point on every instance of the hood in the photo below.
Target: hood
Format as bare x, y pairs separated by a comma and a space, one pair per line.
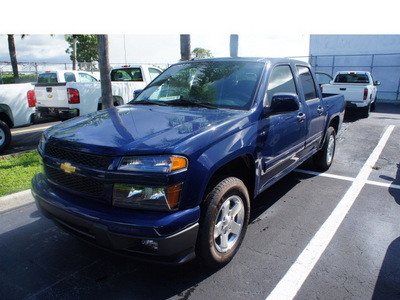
129, 130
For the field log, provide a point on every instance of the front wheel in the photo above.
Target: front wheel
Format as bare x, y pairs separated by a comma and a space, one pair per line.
323, 158
224, 222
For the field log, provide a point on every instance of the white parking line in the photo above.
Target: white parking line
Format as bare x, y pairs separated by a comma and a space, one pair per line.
371, 182
293, 280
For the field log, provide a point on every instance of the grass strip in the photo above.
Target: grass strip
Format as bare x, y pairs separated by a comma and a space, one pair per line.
16, 172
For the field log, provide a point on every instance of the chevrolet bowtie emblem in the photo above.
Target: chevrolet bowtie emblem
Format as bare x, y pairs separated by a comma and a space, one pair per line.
49, 96
67, 167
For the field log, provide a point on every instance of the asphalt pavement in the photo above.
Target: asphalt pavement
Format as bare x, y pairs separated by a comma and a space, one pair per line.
360, 261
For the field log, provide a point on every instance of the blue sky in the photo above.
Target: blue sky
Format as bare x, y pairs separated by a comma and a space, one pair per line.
156, 48
148, 31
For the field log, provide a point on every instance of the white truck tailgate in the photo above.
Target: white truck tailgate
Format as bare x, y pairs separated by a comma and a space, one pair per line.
51, 95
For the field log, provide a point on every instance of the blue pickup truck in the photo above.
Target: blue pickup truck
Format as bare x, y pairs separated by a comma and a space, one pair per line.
171, 175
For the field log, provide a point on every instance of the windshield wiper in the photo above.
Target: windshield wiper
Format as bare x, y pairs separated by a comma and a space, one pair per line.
188, 102
148, 102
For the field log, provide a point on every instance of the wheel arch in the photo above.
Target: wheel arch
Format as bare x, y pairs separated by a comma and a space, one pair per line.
6, 115
241, 167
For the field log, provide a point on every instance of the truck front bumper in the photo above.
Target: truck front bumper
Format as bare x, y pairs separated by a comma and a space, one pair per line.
175, 248
63, 113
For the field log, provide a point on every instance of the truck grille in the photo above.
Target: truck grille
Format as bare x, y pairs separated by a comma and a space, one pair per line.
79, 158
75, 182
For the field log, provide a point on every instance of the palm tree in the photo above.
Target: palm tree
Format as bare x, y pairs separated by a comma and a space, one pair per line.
106, 91
13, 57
185, 47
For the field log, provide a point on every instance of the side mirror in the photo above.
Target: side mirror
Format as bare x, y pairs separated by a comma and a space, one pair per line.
282, 103
136, 93
330, 81
377, 83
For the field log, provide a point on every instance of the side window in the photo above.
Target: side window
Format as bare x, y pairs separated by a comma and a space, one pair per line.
307, 82
86, 78
69, 77
154, 73
280, 81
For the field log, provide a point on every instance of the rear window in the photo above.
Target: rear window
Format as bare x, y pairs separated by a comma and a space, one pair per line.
351, 78
127, 74
47, 78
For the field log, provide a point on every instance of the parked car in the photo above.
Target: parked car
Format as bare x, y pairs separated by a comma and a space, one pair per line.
358, 88
17, 108
77, 98
171, 175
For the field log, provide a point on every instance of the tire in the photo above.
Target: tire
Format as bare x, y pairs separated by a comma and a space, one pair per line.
323, 158
224, 221
5, 136
373, 105
365, 111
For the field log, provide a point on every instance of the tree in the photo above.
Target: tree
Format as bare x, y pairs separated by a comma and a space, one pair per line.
185, 47
106, 91
82, 48
13, 57
202, 53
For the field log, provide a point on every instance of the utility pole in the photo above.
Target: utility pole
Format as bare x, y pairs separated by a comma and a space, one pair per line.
234, 45
104, 64
185, 47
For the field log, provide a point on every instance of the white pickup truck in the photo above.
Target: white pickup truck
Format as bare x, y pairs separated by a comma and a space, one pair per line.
17, 108
71, 99
358, 88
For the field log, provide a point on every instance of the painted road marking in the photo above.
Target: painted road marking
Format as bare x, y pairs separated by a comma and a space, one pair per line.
293, 280
371, 182
16, 131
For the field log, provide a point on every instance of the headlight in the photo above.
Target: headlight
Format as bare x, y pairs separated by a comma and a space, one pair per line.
147, 197
153, 164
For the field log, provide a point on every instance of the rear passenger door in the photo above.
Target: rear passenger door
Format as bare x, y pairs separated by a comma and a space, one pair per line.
315, 115
283, 135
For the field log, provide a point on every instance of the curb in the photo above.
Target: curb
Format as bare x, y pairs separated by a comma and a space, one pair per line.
15, 200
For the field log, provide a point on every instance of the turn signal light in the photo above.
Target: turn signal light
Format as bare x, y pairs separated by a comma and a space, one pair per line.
73, 96
31, 98
365, 94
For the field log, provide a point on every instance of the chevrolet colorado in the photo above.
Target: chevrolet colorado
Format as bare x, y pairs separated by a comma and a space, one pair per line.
171, 175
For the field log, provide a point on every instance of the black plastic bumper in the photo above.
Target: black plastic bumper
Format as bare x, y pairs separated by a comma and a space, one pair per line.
177, 248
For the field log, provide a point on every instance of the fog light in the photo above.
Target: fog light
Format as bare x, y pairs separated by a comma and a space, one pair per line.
152, 244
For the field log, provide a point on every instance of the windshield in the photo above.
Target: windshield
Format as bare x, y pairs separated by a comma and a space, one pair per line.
209, 84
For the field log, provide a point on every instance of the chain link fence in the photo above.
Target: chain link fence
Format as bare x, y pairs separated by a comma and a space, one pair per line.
29, 70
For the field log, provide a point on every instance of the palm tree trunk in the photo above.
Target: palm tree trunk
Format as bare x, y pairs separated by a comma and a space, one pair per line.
104, 64
234, 45
13, 57
185, 47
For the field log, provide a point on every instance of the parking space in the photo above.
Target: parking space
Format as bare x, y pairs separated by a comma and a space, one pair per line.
360, 261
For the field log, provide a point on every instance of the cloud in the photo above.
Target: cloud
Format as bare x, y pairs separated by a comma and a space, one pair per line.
36, 48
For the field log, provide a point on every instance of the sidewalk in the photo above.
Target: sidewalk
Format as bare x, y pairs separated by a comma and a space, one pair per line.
15, 200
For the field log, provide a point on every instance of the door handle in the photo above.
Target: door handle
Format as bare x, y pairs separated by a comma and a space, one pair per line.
301, 117
320, 110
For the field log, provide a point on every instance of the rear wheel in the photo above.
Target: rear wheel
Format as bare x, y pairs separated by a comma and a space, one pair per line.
224, 222
5, 136
365, 111
323, 158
